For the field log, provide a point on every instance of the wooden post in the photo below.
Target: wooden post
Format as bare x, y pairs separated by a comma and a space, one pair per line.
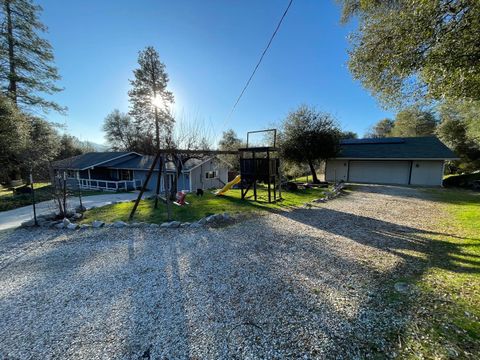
144, 187
268, 176
165, 185
157, 191
254, 176
33, 200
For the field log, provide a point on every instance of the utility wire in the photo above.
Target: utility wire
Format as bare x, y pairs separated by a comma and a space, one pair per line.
256, 66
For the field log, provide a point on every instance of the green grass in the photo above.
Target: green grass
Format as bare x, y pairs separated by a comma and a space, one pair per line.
201, 206
43, 192
448, 308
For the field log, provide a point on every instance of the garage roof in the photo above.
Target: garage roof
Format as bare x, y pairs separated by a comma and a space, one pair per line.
396, 148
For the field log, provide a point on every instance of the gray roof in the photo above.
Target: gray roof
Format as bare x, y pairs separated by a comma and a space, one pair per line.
145, 162
395, 148
87, 160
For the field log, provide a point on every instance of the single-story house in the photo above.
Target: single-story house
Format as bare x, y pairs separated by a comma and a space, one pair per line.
405, 161
128, 170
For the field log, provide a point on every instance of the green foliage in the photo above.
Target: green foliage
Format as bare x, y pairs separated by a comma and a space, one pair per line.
149, 97
348, 135
13, 139
27, 68
308, 136
410, 50
70, 146
230, 141
414, 122
120, 132
381, 129
457, 129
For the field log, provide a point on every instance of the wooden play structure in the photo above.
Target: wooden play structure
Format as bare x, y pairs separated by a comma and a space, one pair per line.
261, 164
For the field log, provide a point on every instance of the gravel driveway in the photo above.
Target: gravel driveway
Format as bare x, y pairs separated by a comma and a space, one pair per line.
308, 283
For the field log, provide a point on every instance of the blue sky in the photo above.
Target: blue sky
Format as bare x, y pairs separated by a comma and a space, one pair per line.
209, 48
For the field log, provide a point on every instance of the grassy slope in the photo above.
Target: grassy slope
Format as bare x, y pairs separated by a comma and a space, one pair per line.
200, 206
43, 192
448, 309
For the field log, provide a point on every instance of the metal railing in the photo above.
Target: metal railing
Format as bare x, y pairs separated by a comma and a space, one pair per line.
109, 185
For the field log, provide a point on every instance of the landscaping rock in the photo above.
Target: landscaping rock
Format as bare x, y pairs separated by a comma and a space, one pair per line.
119, 224
202, 221
196, 225
402, 288
85, 226
28, 223
185, 224
153, 225
72, 226
60, 225
171, 224
66, 222
137, 224
77, 216
80, 209
226, 216
98, 224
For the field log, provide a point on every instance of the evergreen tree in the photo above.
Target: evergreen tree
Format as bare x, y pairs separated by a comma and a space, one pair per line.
149, 97
27, 70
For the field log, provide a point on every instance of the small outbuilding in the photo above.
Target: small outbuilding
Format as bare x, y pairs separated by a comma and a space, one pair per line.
403, 161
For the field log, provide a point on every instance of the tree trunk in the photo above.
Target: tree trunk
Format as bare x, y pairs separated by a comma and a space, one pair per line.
12, 75
314, 173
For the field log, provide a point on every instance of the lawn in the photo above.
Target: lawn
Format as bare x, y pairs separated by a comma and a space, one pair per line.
43, 192
202, 206
448, 308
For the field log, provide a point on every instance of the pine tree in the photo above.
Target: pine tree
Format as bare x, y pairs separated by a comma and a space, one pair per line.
148, 86
26, 70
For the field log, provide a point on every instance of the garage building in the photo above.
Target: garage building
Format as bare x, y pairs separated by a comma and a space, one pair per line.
403, 161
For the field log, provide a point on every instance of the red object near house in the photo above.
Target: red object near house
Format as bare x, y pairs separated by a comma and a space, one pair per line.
181, 198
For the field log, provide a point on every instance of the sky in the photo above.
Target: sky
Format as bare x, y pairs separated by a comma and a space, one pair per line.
209, 48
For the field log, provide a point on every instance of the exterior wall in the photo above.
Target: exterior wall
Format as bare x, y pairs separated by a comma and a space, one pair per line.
182, 183
427, 173
199, 181
336, 170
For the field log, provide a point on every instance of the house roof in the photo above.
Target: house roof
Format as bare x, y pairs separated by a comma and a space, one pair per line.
88, 160
145, 162
395, 148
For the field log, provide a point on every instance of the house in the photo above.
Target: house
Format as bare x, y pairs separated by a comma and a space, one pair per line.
405, 161
128, 170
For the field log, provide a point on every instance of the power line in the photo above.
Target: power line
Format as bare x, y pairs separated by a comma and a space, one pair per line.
258, 64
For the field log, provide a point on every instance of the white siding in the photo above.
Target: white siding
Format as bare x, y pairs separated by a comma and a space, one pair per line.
199, 181
427, 173
336, 170
379, 172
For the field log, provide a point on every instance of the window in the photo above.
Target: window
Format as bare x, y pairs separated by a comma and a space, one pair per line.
210, 175
71, 174
125, 174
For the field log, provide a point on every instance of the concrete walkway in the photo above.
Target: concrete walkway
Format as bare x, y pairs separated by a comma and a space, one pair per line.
14, 218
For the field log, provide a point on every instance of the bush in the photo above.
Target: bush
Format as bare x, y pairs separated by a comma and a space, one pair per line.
465, 180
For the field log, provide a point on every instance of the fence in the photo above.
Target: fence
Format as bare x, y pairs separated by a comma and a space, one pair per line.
109, 185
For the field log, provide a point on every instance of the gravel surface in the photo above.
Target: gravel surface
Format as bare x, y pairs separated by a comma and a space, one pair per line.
309, 283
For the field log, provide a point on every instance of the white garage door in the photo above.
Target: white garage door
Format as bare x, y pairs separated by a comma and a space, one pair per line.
379, 172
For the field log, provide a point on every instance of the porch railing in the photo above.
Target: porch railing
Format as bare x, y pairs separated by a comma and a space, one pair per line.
109, 185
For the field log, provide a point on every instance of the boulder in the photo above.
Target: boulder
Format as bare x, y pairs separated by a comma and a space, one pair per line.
196, 225
171, 224
85, 226
77, 216
226, 216
153, 225
119, 224
202, 221
98, 224
28, 223
66, 222
184, 224
72, 226
80, 209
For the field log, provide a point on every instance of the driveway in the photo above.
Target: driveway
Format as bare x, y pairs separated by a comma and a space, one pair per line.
310, 283
14, 218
